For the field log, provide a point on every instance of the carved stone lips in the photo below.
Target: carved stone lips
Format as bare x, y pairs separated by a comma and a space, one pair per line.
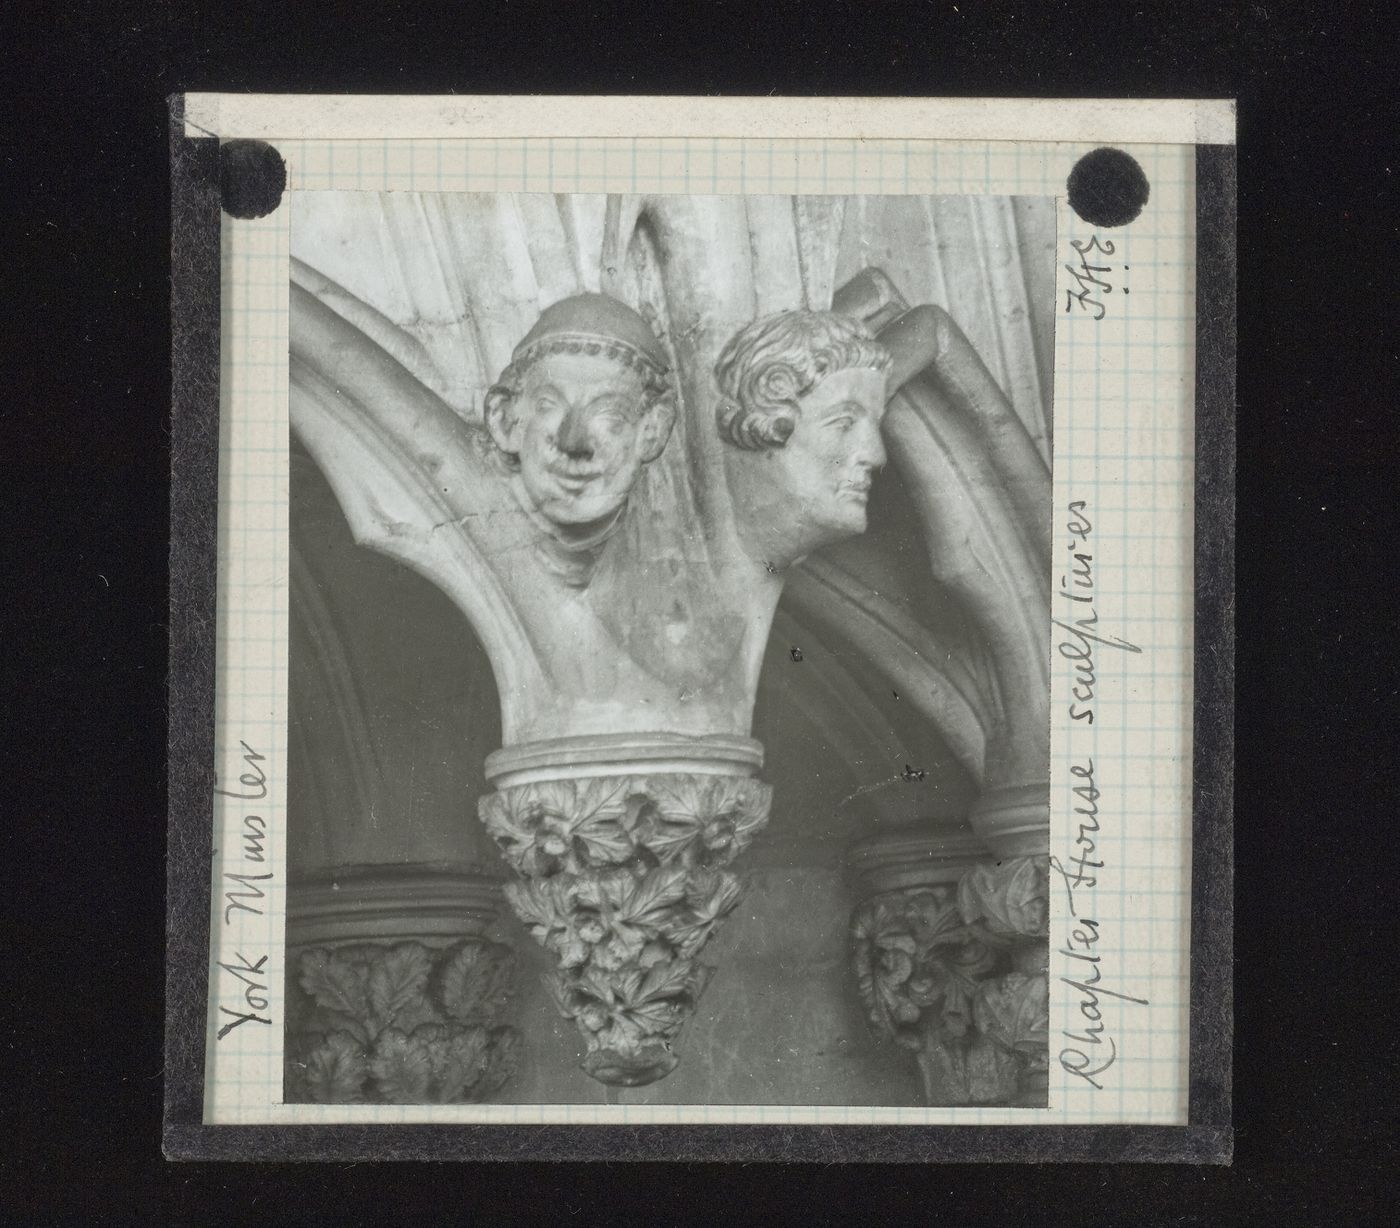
574, 479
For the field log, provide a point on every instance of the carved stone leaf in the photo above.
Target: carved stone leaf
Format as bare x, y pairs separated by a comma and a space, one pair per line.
661, 1017
623, 1033
713, 896
653, 897
594, 890
700, 975
668, 981
474, 982
603, 840
1013, 896
416, 1013
955, 999
336, 982
564, 811
317, 1020
510, 827
402, 1067
600, 821
705, 819
502, 1060
969, 957
536, 903
570, 950
710, 899
397, 979
991, 1072
750, 804
931, 913
621, 947
579, 798
457, 1057
1014, 1012
474, 1051
868, 923
670, 836
336, 1070
424, 1033
627, 986
676, 795
564, 990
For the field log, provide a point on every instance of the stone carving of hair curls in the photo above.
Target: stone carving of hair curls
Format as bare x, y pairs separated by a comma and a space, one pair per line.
770, 364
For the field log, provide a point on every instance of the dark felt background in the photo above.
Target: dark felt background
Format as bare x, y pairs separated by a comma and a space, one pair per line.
87, 455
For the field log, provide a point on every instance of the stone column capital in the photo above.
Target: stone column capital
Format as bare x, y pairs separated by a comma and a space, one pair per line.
623, 880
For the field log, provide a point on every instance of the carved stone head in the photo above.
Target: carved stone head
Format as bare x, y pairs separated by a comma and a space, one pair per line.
802, 395
583, 405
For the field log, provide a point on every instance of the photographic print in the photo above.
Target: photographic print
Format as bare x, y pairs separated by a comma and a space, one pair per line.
669, 655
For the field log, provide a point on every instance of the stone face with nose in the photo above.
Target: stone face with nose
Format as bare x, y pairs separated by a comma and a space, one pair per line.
578, 410
574, 438
802, 398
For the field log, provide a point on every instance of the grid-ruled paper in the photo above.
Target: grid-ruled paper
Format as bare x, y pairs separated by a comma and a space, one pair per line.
1123, 443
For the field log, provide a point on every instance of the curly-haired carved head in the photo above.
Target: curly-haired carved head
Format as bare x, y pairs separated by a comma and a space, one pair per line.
769, 366
802, 396
582, 406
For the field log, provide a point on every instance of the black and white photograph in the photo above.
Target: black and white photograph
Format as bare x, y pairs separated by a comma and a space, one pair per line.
669, 649
634, 615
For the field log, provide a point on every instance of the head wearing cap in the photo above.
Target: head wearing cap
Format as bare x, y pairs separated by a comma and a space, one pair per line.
593, 324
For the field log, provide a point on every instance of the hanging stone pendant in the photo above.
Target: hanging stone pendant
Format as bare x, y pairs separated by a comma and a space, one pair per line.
624, 878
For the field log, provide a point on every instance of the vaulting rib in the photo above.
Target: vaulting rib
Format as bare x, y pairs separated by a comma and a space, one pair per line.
393, 453
982, 493
404, 348
921, 669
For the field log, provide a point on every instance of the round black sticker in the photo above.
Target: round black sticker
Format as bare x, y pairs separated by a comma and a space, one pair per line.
252, 178
1107, 187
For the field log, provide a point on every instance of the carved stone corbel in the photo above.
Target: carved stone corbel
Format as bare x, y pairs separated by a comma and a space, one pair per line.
949, 959
622, 582
395, 995
624, 881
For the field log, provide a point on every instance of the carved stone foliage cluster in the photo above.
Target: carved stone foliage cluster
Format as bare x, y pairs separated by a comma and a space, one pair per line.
943, 971
624, 883
400, 1024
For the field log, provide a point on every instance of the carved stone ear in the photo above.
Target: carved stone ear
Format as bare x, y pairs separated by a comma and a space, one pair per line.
657, 425
501, 419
